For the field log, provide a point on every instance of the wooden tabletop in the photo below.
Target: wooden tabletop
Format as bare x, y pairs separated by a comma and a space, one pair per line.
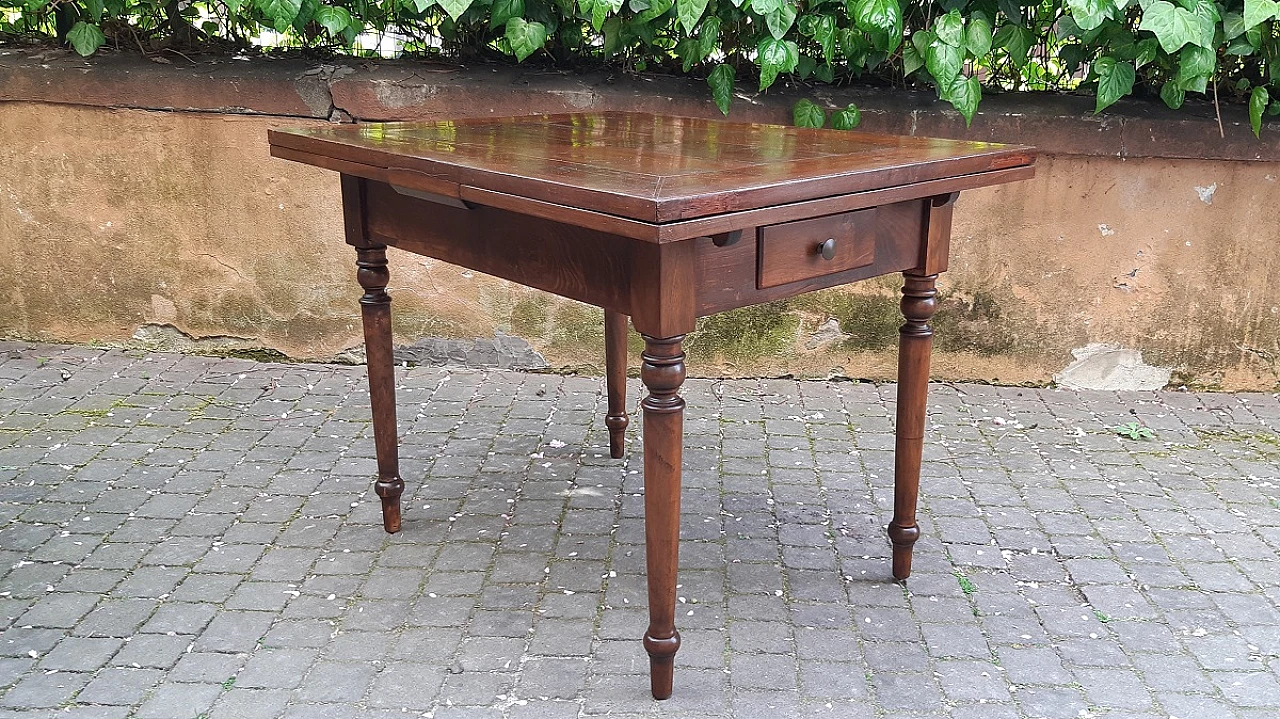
651, 168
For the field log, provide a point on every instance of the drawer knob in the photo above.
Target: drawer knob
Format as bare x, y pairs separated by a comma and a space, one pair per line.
828, 249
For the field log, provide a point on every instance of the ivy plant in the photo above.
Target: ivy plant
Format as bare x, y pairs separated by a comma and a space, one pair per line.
1225, 50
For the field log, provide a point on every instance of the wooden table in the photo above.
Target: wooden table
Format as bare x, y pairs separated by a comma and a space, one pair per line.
664, 220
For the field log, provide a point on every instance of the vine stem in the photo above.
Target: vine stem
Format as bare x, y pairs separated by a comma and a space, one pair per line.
1218, 111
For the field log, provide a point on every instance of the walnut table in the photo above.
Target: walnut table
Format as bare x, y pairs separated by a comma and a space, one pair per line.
663, 220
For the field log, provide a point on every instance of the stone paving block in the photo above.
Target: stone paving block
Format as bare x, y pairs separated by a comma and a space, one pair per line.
476, 688
1248, 689
250, 704
178, 701
206, 667
235, 631
120, 686
1115, 689
553, 677
115, 618
833, 680
1052, 702
276, 668
152, 651
11, 669
407, 686
902, 693
1102, 591
206, 588
955, 641
44, 690
1033, 666
58, 610
762, 671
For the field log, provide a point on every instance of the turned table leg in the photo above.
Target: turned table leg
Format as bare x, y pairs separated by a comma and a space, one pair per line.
915, 344
375, 311
615, 373
662, 372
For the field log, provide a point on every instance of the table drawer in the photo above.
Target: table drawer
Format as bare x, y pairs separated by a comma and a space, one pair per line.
794, 251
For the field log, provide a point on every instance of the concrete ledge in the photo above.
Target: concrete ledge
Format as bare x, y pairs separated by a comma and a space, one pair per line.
352, 88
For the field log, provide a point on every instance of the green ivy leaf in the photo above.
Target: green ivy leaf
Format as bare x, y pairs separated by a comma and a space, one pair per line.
964, 94
806, 113
455, 8
884, 16
708, 36
94, 8
281, 13
825, 73
333, 19
1017, 41
1207, 17
950, 29
911, 60
1147, 49
690, 12
305, 15
1257, 12
1195, 66
1173, 26
597, 10
943, 62
1258, 101
655, 9
687, 51
721, 82
1089, 14
1172, 95
503, 10
977, 35
781, 20
822, 28
776, 56
764, 7
525, 37
612, 31
1072, 56
846, 119
1233, 25
85, 38
1242, 46
805, 67
1115, 80
921, 40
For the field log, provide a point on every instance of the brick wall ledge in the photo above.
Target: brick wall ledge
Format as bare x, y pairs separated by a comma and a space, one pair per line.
352, 88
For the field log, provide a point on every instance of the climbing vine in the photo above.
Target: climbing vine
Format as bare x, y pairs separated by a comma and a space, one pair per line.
1169, 49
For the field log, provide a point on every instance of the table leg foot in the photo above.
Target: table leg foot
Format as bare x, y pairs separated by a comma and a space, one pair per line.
662, 662
914, 345
375, 312
903, 539
391, 514
615, 360
662, 372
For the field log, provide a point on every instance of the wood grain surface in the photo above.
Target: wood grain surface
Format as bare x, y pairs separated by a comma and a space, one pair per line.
645, 167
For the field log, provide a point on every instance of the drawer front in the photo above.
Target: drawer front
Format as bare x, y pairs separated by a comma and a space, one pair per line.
793, 251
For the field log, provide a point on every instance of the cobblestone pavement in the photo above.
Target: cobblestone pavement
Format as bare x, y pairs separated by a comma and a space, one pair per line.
189, 537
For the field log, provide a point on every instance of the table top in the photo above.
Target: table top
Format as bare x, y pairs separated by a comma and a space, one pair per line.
652, 168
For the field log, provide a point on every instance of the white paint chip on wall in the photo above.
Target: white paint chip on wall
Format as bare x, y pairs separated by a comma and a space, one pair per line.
1111, 367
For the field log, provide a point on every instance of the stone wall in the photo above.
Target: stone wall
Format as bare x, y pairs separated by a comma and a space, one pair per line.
139, 205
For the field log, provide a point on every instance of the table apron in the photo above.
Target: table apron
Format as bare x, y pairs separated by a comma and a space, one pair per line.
579, 263
607, 270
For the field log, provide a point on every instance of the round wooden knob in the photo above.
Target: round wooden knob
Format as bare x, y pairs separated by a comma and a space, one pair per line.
828, 249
